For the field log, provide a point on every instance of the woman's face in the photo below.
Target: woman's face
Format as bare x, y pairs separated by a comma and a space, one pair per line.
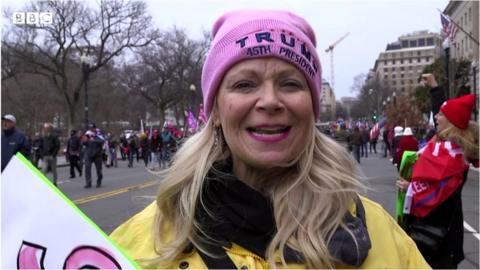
264, 107
442, 121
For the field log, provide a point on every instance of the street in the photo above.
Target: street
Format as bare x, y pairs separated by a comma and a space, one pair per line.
125, 191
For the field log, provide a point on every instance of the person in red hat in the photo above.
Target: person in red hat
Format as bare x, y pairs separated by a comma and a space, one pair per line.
438, 177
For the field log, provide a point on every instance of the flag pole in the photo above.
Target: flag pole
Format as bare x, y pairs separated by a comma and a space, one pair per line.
459, 27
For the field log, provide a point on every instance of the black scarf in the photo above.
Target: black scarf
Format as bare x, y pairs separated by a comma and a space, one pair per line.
244, 216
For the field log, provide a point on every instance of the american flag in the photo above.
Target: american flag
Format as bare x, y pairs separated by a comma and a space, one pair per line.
445, 24
449, 29
375, 131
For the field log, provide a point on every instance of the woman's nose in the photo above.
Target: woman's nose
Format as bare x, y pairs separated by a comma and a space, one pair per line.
269, 100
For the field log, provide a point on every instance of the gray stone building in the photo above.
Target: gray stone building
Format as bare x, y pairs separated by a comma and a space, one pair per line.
399, 67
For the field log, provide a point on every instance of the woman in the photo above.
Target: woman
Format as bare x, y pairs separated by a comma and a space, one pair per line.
259, 186
438, 177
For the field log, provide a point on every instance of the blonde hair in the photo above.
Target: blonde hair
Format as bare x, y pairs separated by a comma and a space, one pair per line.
309, 201
466, 138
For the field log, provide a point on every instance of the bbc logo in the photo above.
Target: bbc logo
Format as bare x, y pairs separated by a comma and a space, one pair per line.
33, 18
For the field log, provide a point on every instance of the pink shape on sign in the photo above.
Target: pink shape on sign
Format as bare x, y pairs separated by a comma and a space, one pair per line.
29, 254
85, 256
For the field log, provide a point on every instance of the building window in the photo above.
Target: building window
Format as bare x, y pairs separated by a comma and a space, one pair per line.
413, 43
393, 61
385, 76
404, 43
385, 70
385, 62
470, 14
410, 67
419, 53
410, 60
401, 75
394, 82
401, 61
429, 41
427, 59
402, 68
421, 42
403, 89
393, 68
411, 81
402, 82
418, 60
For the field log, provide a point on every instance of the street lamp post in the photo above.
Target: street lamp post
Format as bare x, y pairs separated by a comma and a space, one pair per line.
370, 91
446, 47
86, 61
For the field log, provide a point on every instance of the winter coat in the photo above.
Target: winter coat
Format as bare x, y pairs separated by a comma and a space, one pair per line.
93, 148
241, 222
13, 141
390, 246
74, 146
365, 136
356, 138
50, 145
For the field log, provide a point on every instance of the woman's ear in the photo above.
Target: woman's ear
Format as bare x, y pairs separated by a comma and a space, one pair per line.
215, 116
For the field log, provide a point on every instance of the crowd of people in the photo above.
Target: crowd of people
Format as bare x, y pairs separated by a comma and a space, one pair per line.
91, 147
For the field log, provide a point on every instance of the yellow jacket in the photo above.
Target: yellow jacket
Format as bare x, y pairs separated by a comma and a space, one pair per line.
391, 247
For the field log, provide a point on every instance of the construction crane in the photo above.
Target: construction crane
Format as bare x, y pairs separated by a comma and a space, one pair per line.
330, 50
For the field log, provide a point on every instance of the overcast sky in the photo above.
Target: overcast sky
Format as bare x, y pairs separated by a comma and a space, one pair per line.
372, 24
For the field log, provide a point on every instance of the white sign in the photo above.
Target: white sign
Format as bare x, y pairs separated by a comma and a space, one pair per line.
43, 229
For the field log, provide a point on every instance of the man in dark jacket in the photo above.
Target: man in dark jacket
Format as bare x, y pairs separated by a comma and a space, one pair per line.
385, 141
356, 141
50, 147
93, 154
13, 141
74, 147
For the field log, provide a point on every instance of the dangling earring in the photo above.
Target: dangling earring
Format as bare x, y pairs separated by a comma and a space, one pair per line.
218, 137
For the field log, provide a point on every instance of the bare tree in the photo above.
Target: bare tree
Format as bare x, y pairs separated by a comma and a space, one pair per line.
165, 70
370, 94
53, 51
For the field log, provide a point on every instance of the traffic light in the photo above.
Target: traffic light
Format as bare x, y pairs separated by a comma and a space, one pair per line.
374, 118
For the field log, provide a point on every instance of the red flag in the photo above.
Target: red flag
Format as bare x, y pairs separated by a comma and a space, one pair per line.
436, 175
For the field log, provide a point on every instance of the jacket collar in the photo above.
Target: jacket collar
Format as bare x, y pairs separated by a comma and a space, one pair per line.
237, 213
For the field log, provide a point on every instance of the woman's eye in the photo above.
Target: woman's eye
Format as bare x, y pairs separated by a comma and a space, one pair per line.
243, 85
293, 84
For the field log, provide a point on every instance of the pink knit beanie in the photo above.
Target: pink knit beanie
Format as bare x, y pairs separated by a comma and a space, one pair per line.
242, 35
